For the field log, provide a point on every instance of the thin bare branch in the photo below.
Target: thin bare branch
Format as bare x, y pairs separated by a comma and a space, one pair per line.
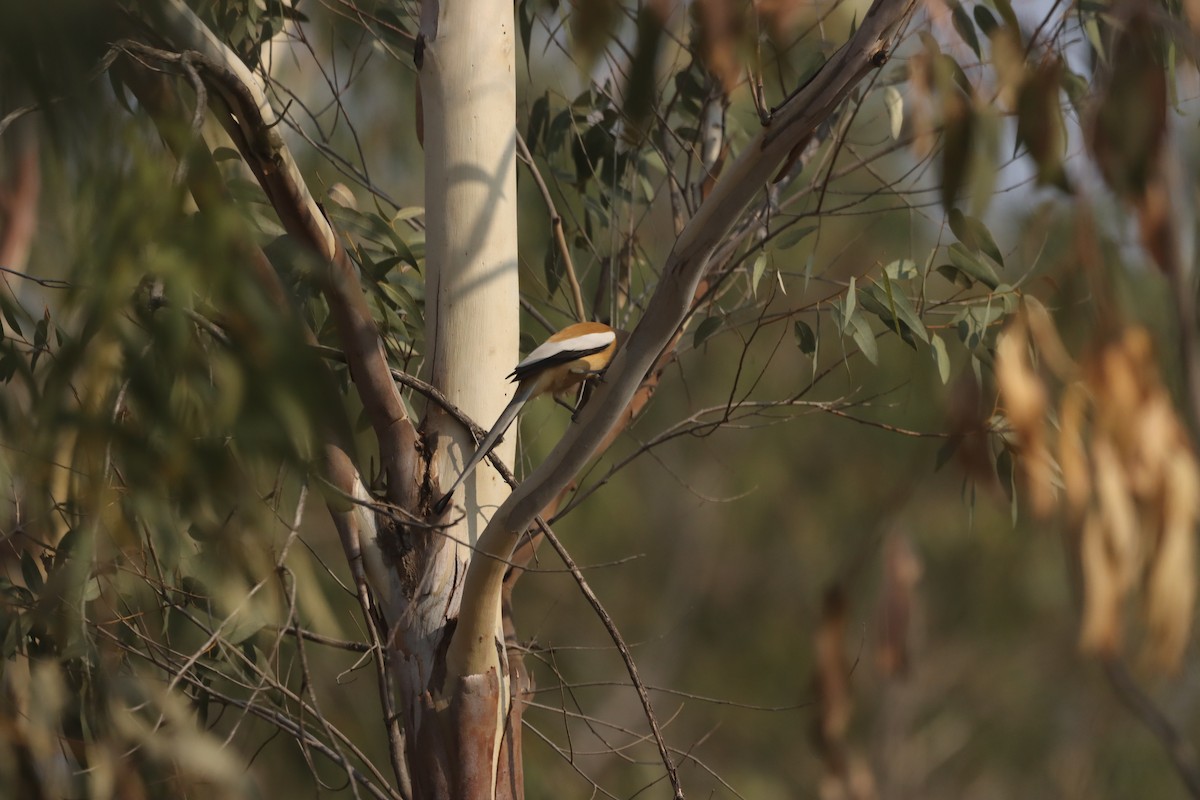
281, 720
322, 639
1178, 749
349, 525
556, 226
630, 666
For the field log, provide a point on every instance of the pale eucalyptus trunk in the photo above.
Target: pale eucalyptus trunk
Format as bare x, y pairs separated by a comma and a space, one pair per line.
460, 733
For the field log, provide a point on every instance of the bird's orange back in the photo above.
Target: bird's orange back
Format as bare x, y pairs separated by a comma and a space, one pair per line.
567, 358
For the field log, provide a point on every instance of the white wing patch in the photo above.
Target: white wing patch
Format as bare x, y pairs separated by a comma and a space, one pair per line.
582, 344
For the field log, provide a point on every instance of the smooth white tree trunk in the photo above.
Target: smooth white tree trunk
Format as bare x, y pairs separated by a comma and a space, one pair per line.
467, 68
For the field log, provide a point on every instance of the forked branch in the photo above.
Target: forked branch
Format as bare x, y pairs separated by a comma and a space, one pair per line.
244, 110
685, 267
870, 47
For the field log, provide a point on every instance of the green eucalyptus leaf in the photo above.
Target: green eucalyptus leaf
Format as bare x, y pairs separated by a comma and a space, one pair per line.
706, 329
525, 15
985, 20
946, 452
31, 573
965, 27
901, 308
756, 272
792, 236
806, 338
1005, 9
851, 304
940, 357
972, 265
864, 338
975, 235
894, 102
554, 270
904, 269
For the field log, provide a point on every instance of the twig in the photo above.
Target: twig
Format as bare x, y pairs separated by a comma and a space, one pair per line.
417, 385
204, 323
1180, 751
14, 115
306, 686
278, 719
391, 718
829, 409
343, 476
48, 283
533, 311
181, 167
287, 579
168, 658
630, 667
320, 638
556, 224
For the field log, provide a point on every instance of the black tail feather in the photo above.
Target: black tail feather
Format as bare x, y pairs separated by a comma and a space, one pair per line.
493, 437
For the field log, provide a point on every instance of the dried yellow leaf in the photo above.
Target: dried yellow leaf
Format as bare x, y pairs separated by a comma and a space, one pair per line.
1171, 579
1116, 507
1072, 457
1100, 628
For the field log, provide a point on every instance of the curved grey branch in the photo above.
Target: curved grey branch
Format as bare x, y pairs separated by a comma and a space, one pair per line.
791, 126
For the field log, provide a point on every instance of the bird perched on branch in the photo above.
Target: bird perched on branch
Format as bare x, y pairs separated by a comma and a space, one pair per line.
557, 365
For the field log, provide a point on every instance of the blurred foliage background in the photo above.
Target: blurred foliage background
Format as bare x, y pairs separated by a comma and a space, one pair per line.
816, 537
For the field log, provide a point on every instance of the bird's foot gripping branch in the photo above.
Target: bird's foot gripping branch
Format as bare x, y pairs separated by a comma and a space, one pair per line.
557, 366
